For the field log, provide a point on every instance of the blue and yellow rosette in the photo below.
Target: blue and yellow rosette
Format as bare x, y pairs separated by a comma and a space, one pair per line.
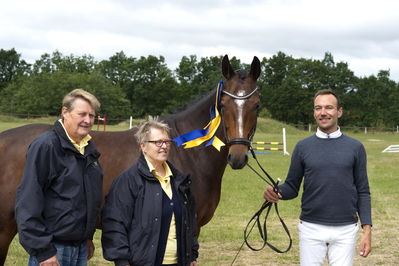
207, 134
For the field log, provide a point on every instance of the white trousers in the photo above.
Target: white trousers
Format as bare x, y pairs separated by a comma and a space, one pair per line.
337, 243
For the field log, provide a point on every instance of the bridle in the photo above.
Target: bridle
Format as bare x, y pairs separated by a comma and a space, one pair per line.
240, 97
266, 206
242, 141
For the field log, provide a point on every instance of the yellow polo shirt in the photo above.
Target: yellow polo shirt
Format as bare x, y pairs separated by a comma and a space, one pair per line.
83, 143
170, 256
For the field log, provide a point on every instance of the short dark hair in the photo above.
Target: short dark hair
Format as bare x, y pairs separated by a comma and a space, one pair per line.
328, 92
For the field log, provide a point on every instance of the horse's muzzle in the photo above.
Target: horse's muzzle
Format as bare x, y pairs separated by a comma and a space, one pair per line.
238, 150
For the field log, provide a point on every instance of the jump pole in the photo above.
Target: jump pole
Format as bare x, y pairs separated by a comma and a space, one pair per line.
104, 119
285, 143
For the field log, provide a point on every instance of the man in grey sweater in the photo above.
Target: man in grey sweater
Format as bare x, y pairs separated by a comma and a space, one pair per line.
335, 192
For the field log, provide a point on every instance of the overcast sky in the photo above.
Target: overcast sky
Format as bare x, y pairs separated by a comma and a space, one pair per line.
363, 33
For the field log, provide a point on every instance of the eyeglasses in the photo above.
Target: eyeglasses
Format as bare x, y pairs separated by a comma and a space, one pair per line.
160, 142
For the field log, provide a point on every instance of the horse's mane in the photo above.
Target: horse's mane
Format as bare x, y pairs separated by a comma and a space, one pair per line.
242, 74
192, 102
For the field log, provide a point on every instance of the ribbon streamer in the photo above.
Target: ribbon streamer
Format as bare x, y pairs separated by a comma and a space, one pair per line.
207, 134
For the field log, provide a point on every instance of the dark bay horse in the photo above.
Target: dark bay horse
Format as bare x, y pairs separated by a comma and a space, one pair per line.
238, 106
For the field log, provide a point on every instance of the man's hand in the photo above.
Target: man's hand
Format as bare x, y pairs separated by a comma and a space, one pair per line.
90, 249
365, 242
50, 262
193, 263
270, 195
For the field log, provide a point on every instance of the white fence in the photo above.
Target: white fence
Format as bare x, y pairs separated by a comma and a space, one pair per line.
392, 148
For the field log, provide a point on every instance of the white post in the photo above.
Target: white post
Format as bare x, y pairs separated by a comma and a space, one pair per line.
310, 127
285, 143
365, 130
130, 123
397, 129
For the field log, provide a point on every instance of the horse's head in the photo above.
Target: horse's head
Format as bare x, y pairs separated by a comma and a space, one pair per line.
239, 106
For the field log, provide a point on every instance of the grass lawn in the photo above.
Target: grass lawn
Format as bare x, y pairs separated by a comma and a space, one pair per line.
241, 197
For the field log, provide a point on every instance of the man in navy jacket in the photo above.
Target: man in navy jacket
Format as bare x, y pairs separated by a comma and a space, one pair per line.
58, 200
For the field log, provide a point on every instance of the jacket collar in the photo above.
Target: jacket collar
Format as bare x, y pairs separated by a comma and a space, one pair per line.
145, 171
83, 143
143, 168
67, 145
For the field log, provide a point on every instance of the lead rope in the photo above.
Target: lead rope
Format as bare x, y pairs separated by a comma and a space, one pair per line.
255, 220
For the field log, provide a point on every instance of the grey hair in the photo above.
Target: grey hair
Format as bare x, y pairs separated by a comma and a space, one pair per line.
146, 126
70, 98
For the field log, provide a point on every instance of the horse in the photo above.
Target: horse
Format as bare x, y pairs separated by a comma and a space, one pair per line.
238, 104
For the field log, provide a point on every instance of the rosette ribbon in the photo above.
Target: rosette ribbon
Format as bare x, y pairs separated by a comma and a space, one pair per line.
207, 134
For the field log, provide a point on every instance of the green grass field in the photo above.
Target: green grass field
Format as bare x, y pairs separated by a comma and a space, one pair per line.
241, 196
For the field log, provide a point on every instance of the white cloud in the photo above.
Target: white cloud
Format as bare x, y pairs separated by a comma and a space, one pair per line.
360, 32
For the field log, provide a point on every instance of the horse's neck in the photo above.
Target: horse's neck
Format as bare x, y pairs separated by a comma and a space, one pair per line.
195, 117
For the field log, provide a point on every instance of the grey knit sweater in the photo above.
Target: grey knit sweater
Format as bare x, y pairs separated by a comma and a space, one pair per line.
336, 189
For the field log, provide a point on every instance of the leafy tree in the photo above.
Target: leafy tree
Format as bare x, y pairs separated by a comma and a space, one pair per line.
282, 89
392, 112
142, 86
119, 69
186, 74
42, 94
209, 73
11, 67
187, 70
147, 82
68, 64
371, 103
72, 64
154, 87
270, 81
198, 77
43, 65
290, 84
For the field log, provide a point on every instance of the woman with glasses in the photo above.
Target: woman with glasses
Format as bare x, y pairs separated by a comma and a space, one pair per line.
149, 213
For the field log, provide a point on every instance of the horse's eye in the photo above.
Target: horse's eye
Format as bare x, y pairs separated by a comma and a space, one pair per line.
257, 108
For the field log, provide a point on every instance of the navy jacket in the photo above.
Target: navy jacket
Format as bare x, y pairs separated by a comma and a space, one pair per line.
60, 194
131, 223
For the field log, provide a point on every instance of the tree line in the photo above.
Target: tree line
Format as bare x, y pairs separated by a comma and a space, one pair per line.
128, 86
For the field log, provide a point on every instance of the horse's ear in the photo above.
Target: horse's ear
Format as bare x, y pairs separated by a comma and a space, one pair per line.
227, 70
255, 68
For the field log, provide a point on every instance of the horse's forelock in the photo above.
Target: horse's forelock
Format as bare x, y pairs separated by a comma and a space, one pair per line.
242, 74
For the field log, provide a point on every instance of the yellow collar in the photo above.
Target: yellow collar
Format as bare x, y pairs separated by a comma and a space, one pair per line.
162, 179
83, 143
